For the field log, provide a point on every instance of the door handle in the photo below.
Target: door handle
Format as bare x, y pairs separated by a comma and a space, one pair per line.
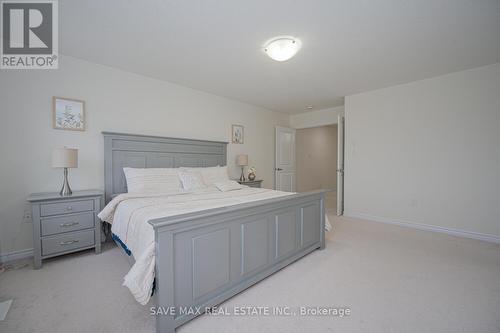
278, 169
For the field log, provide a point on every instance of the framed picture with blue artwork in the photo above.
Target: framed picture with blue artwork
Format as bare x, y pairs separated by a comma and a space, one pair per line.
68, 114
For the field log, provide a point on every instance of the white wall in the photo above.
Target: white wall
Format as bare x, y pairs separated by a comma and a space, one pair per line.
316, 155
316, 118
427, 152
115, 101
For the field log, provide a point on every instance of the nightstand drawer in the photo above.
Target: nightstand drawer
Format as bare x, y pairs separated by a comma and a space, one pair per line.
65, 223
66, 207
251, 183
67, 242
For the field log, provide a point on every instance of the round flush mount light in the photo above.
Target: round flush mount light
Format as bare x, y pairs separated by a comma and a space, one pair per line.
282, 48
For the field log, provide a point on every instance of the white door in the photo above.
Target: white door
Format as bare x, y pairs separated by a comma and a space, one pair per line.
284, 170
340, 165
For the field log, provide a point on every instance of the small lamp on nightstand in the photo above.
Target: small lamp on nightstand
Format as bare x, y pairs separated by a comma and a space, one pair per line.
242, 161
65, 158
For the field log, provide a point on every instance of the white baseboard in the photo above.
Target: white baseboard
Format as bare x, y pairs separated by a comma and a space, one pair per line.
427, 227
15, 255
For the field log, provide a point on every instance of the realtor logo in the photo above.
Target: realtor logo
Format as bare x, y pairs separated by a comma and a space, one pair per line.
29, 34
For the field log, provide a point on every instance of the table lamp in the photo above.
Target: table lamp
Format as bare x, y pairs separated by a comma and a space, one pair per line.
65, 158
242, 161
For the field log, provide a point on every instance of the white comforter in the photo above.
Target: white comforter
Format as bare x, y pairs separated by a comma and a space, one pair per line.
129, 214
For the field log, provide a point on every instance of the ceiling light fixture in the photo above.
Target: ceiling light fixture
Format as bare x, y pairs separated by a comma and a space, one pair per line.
309, 107
282, 48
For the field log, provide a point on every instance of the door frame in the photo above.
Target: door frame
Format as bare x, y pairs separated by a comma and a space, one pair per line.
340, 163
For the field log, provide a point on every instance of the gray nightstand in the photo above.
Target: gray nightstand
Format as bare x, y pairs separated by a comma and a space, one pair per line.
251, 183
65, 224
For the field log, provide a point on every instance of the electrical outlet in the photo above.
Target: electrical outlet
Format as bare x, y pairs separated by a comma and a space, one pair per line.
27, 216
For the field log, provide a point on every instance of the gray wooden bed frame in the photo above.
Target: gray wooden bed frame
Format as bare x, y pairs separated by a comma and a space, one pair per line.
206, 257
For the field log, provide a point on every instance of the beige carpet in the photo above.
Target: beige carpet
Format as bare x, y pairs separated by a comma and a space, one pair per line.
393, 279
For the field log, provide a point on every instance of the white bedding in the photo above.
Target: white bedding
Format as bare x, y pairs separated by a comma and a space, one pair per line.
129, 214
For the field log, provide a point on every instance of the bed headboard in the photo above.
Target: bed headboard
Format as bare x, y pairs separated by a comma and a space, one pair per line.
143, 151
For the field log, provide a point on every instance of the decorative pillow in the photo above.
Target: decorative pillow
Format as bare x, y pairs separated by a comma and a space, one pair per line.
152, 180
191, 180
229, 185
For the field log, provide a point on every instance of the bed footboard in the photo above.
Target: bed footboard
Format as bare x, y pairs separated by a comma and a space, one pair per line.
204, 258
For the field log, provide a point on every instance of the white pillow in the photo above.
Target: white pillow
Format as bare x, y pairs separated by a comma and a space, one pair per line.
210, 175
191, 180
215, 175
152, 180
229, 185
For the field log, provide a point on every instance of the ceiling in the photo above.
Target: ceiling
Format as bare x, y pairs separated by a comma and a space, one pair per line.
347, 46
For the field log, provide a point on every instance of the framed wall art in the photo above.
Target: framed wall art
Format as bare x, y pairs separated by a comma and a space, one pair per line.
237, 134
68, 114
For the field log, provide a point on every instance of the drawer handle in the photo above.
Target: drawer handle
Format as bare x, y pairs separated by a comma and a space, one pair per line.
69, 208
65, 225
69, 242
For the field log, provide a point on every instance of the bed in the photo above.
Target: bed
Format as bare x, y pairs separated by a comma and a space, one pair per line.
209, 249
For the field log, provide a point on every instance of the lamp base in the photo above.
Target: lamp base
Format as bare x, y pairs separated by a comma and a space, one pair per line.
65, 190
242, 177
